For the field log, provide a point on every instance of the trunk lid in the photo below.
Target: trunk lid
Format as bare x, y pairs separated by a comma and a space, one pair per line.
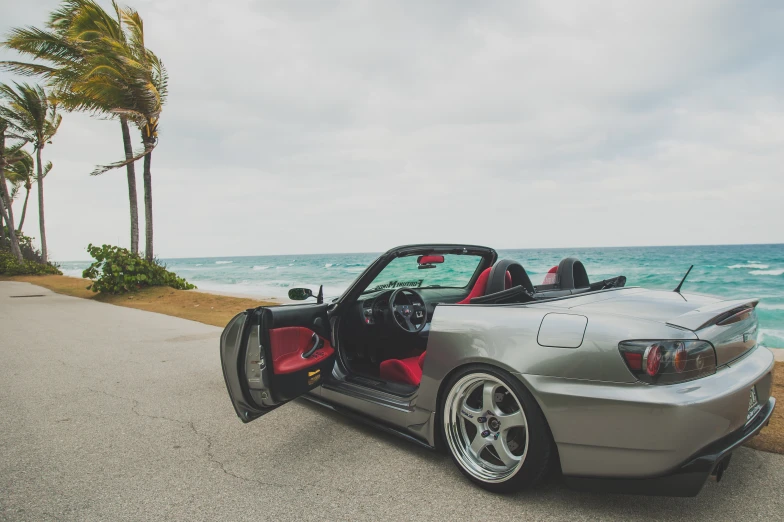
731, 325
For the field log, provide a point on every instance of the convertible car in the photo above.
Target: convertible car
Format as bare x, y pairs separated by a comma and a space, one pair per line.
620, 388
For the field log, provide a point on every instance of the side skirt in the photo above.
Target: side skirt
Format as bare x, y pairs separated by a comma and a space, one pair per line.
365, 420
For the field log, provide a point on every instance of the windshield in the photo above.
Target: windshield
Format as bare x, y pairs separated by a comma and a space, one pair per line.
455, 272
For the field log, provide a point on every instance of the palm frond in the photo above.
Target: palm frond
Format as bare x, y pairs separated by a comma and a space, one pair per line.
30, 109
17, 161
100, 169
28, 69
95, 61
44, 45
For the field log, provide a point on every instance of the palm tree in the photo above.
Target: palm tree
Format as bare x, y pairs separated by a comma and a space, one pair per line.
74, 33
139, 77
21, 174
8, 157
35, 116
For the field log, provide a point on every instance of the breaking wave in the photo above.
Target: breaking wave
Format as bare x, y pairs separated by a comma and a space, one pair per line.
776, 272
771, 338
770, 306
223, 262
756, 266
260, 267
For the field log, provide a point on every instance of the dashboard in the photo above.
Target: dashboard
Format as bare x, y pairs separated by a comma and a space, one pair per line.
374, 309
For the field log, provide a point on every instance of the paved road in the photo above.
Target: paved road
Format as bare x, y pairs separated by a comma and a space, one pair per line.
110, 413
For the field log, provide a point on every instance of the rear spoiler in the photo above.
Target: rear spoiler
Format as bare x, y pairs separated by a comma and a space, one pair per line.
723, 312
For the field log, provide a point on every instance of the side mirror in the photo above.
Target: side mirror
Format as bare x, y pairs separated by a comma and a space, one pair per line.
300, 294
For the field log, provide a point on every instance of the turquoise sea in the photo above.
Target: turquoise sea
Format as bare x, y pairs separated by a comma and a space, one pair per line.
730, 271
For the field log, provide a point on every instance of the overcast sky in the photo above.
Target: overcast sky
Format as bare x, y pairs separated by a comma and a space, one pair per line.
321, 126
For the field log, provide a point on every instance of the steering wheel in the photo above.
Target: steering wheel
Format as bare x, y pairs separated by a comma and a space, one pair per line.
409, 314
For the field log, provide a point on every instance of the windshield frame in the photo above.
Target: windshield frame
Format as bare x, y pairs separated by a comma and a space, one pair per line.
361, 283
395, 284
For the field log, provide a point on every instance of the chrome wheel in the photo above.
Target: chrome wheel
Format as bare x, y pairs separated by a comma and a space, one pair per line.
486, 428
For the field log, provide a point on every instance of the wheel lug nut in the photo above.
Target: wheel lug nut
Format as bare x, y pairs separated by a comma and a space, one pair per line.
485, 433
482, 419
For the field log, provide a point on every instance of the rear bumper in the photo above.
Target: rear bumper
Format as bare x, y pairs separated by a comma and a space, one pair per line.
689, 478
636, 430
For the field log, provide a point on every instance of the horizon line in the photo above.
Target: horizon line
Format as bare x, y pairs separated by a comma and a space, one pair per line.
496, 249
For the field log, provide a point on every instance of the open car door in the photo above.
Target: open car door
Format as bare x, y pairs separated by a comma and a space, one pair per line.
273, 355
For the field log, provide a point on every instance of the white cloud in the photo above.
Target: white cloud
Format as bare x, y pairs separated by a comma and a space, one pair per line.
354, 126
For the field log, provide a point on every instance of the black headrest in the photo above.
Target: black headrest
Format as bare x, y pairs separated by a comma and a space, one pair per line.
497, 280
572, 274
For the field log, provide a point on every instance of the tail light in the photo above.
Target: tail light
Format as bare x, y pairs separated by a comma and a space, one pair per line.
668, 362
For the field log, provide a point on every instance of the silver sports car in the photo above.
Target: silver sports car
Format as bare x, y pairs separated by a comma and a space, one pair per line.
620, 388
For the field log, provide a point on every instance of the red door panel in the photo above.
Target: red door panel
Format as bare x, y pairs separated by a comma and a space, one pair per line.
290, 343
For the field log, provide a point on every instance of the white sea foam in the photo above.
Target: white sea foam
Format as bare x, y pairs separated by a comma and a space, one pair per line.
771, 338
776, 272
770, 306
71, 272
260, 267
223, 262
199, 264
330, 265
756, 266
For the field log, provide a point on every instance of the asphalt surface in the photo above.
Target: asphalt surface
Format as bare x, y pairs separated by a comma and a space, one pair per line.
110, 413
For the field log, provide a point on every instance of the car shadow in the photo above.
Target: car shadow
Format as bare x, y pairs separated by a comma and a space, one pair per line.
752, 479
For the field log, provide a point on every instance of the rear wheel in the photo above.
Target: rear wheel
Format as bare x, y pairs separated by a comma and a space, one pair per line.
494, 430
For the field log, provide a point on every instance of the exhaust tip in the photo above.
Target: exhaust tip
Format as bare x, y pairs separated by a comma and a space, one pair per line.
718, 471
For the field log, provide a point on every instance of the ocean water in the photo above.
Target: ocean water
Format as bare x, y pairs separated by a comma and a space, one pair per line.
734, 271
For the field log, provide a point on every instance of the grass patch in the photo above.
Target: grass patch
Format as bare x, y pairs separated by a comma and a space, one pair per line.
212, 309
217, 310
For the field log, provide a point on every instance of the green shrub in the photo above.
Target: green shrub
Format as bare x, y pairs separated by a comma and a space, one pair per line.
10, 266
116, 271
29, 252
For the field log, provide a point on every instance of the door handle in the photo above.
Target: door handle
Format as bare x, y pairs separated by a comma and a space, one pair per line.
318, 342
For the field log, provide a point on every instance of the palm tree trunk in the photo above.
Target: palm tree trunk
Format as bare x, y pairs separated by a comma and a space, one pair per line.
12, 235
131, 171
8, 216
5, 202
3, 127
41, 221
148, 251
24, 209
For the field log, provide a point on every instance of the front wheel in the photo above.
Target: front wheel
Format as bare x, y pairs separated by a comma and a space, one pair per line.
494, 430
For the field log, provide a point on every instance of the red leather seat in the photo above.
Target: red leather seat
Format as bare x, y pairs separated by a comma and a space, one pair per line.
551, 277
481, 285
407, 371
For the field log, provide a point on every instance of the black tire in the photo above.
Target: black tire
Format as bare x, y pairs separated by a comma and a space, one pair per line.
540, 450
